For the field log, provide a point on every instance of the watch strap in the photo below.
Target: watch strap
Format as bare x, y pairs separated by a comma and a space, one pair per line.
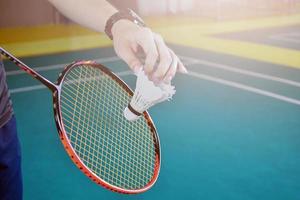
123, 14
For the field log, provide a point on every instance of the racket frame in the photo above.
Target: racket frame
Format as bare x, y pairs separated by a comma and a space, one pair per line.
56, 92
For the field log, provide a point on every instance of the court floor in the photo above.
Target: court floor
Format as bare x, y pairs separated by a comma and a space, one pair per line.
287, 37
232, 131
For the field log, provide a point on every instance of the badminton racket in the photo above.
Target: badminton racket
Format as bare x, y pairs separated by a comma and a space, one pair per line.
88, 103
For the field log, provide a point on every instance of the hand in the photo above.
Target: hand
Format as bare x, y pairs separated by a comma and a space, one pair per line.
161, 63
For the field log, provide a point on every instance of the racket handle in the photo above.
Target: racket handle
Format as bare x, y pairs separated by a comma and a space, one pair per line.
29, 70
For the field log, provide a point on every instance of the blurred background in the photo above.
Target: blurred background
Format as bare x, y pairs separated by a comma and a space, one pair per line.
37, 12
231, 132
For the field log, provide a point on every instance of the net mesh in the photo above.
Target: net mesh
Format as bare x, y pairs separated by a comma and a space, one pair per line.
120, 152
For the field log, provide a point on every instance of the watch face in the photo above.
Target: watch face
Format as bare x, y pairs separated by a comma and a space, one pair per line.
137, 18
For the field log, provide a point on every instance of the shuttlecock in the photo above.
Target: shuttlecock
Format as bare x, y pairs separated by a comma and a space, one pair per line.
146, 94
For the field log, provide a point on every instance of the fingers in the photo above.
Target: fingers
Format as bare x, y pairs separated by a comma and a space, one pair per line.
172, 69
127, 53
160, 64
146, 41
166, 58
168, 64
181, 68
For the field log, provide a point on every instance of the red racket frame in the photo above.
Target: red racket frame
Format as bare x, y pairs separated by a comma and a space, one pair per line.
56, 91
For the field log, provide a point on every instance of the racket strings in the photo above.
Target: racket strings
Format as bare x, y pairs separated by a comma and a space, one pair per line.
136, 141
112, 142
95, 78
76, 112
137, 135
107, 104
120, 152
66, 98
85, 137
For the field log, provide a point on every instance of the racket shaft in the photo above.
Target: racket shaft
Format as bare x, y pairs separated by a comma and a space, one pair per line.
27, 69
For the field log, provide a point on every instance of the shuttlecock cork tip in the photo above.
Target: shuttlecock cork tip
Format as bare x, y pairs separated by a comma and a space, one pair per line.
130, 115
146, 94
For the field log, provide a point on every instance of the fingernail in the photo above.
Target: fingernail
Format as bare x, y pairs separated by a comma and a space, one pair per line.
184, 70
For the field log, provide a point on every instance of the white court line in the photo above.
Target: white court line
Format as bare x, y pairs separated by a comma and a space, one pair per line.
38, 87
59, 66
190, 61
246, 72
100, 60
245, 87
27, 89
209, 78
197, 75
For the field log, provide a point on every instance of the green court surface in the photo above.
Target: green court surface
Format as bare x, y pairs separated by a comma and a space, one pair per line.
232, 131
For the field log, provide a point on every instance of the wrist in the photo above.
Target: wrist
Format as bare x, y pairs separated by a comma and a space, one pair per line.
125, 18
122, 26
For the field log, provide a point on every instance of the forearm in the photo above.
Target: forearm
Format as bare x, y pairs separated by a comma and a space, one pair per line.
90, 13
127, 36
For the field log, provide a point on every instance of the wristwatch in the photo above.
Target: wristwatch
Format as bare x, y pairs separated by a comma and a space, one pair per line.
122, 14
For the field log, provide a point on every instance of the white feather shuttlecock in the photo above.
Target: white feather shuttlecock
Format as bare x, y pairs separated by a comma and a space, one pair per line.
146, 94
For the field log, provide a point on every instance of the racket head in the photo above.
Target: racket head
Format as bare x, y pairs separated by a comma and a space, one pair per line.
77, 157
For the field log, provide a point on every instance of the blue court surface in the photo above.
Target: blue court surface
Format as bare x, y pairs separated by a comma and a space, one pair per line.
232, 131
